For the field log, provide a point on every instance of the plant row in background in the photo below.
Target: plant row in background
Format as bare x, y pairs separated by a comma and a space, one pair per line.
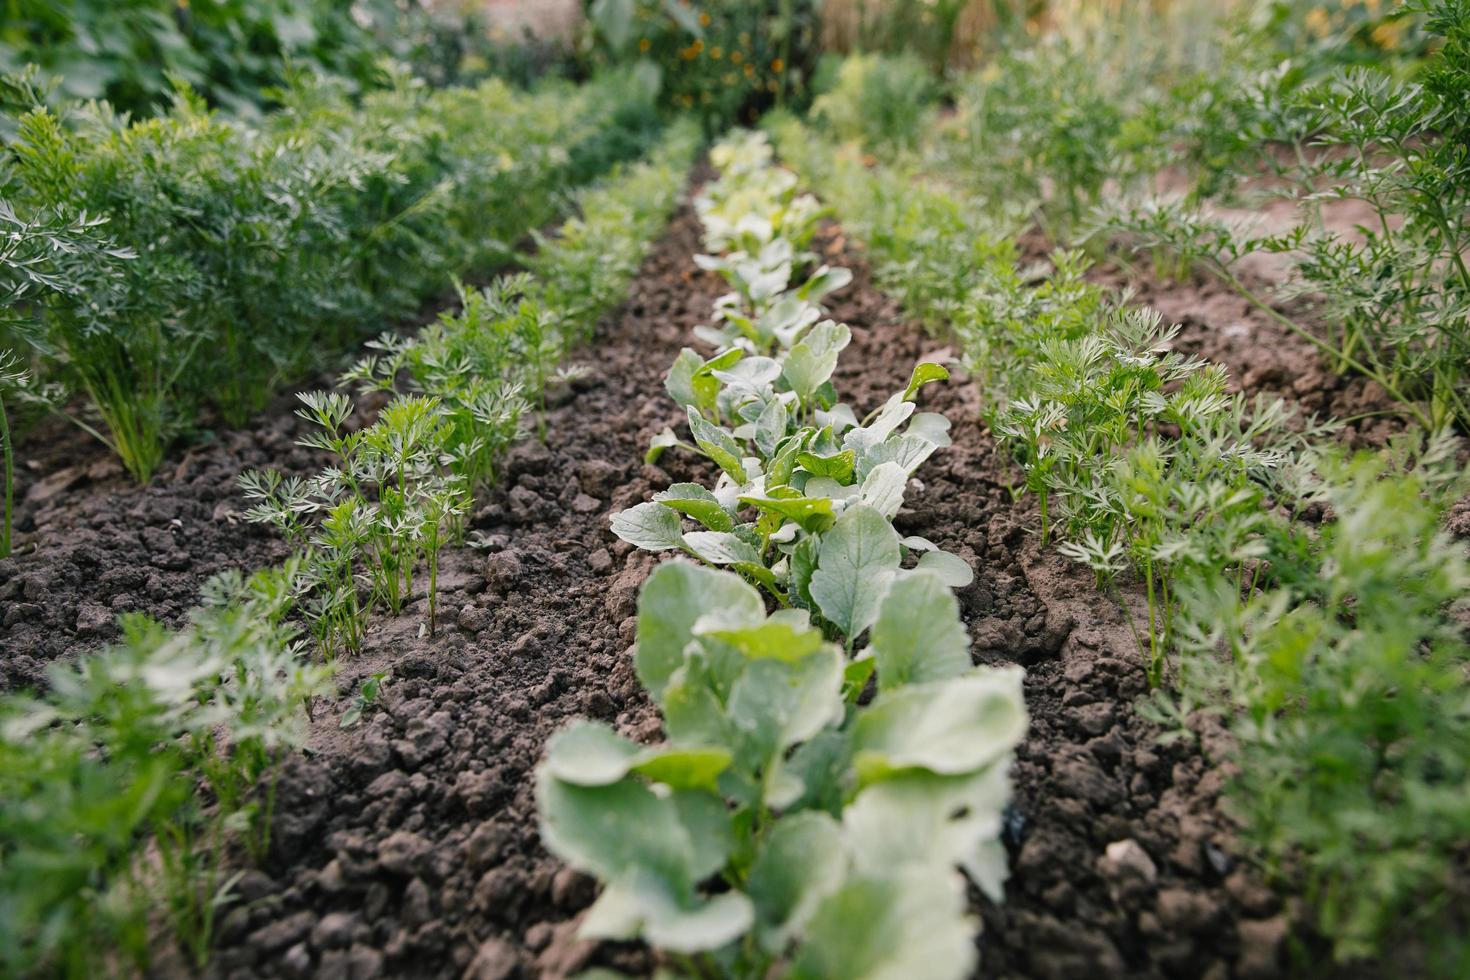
125, 785
188, 259
235, 52
1078, 127
1332, 649
817, 796
397, 491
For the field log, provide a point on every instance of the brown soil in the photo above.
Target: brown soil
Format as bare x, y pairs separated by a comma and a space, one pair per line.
407, 846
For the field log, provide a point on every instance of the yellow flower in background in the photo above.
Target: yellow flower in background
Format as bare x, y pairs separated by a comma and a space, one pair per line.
750, 71
736, 57
717, 52
644, 44
778, 66
1389, 35
728, 78
1318, 21
704, 19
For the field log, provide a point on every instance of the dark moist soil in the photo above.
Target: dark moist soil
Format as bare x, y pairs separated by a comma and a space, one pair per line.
407, 846
93, 544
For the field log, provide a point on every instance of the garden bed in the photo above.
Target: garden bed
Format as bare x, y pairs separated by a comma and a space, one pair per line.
408, 844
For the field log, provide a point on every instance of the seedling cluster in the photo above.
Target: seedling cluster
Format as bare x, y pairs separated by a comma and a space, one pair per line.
817, 797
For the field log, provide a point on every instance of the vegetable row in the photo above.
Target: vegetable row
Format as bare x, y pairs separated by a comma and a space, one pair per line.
1331, 647
834, 767
124, 784
160, 267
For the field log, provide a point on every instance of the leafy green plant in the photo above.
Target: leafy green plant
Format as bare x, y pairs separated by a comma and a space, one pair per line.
1344, 680
387, 505
110, 757
398, 489
369, 696
269, 244
806, 491
784, 824
880, 102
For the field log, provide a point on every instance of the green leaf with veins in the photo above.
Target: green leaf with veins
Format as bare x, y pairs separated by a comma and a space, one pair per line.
918, 635
812, 514
590, 753
721, 547
906, 923
948, 727
677, 595
924, 373
802, 862
858, 558
838, 466
650, 526
717, 444
695, 501
770, 427
922, 819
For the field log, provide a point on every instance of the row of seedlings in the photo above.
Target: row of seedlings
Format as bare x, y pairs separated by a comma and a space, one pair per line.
124, 784
1332, 647
460, 391
819, 802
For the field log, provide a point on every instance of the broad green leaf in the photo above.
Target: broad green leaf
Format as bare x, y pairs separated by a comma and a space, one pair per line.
717, 444
813, 514
591, 754
939, 821
825, 280
613, 831
684, 16
640, 905
687, 768
760, 573
721, 548
858, 558
924, 372
883, 489
893, 414
953, 569
918, 635
822, 765
905, 924
650, 526
676, 595
803, 566
770, 428
838, 466
908, 451
777, 704
787, 635
806, 370
947, 727
679, 382
783, 464
698, 503
656, 446
931, 427
802, 862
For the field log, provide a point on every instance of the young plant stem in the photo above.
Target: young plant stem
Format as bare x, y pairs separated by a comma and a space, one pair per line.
9, 477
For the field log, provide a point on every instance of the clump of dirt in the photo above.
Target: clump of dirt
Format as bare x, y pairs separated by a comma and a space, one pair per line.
93, 544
